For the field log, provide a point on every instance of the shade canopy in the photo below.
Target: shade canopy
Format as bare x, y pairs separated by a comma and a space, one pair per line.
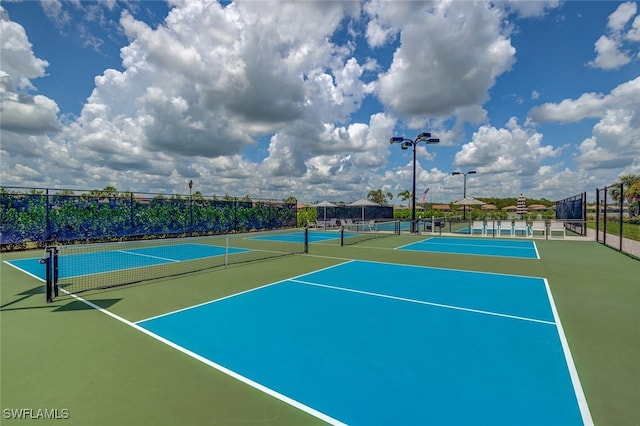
325, 203
363, 202
469, 201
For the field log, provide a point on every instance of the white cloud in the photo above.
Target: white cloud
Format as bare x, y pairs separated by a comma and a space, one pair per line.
21, 111
634, 32
619, 18
265, 100
615, 141
616, 49
608, 54
588, 105
625, 98
465, 53
528, 8
514, 150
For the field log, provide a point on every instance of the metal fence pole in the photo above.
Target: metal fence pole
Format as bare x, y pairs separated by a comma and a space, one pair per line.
621, 215
604, 217
47, 226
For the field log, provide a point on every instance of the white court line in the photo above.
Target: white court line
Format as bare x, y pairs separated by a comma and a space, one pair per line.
148, 255
573, 372
422, 302
24, 271
435, 250
217, 366
435, 243
535, 247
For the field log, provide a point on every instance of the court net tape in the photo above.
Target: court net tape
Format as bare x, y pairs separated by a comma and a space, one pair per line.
82, 267
356, 233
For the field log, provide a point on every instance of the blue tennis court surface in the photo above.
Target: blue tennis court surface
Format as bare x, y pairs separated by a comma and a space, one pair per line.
367, 343
476, 246
115, 260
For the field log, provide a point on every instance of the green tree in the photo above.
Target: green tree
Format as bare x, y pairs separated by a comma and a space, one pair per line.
377, 196
405, 195
630, 188
108, 191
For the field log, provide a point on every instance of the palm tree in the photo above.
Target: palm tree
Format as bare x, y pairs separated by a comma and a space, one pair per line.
629, 185
405, 195
634, 192
377, 196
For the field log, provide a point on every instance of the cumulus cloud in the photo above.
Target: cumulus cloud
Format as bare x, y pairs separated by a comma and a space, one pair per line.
196, 91
512, 149
20, 111
588, 105
615, 141
528, 9
206, 94
623, 99
264, 98
466, 51
618, 47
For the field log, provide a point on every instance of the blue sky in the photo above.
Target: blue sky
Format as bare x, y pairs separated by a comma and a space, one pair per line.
300, 98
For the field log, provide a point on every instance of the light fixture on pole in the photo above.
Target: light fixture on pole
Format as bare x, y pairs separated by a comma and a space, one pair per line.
405, 144
464, 193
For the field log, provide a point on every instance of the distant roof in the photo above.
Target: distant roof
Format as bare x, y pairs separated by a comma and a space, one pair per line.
537, 207
441, 207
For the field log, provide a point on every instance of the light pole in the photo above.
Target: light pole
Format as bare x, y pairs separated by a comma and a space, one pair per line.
464, 193
405, 144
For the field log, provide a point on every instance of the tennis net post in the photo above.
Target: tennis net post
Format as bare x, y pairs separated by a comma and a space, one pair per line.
51, 275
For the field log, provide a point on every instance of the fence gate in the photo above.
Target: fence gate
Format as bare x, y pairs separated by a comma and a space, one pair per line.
609, 216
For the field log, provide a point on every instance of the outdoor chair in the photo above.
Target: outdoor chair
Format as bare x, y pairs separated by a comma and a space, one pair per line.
349, 225
557, 229
520, 227
505, 227
539, 228
477, 225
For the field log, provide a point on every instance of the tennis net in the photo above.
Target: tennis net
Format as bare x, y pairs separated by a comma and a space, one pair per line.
360, 232
83, 267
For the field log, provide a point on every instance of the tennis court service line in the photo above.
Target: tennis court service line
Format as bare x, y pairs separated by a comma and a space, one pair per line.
424, 302
147, 255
